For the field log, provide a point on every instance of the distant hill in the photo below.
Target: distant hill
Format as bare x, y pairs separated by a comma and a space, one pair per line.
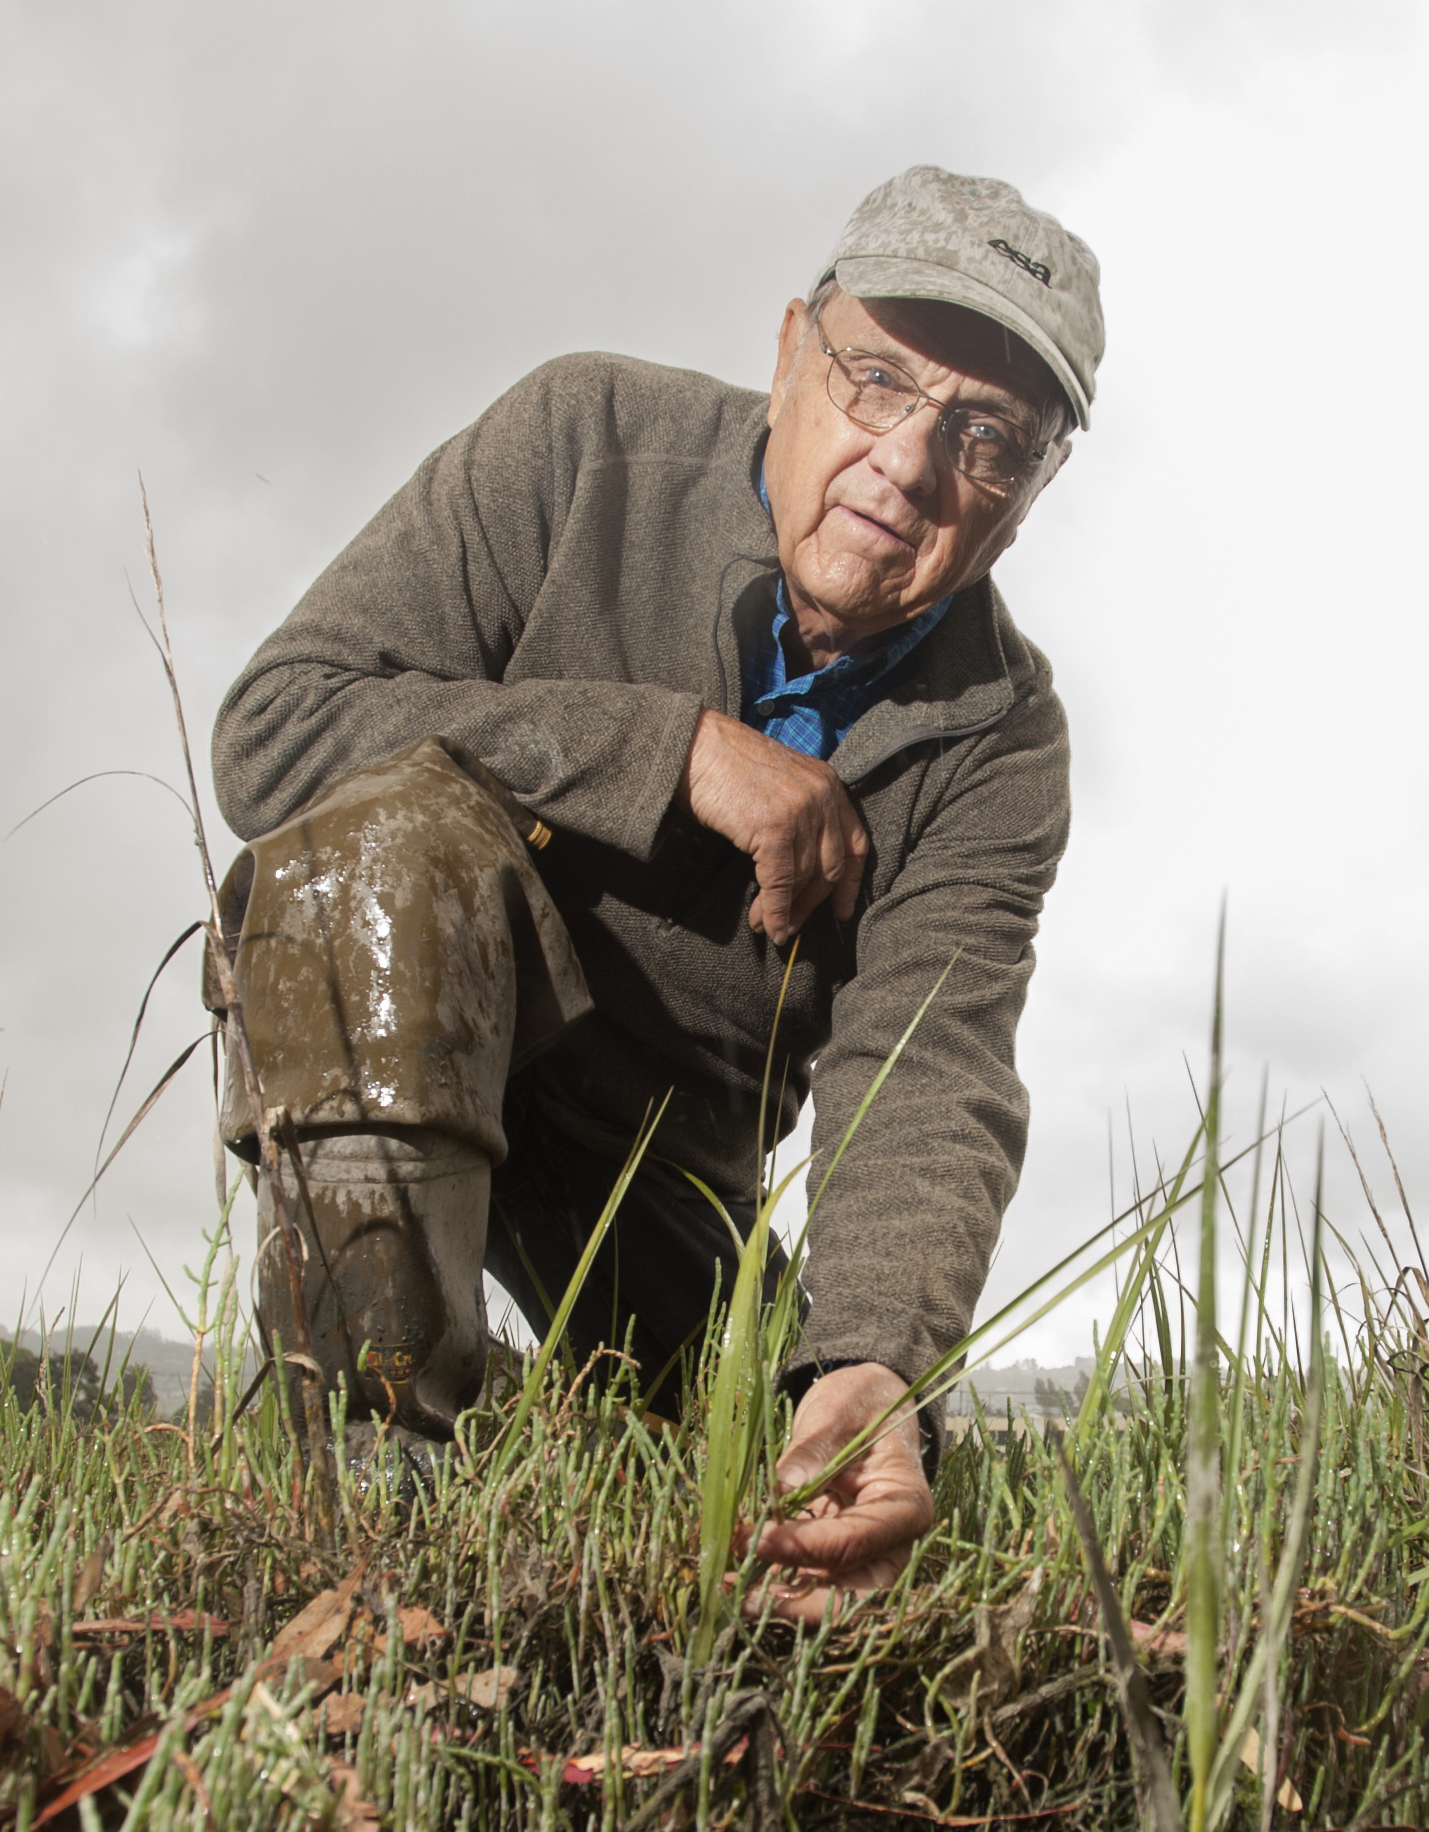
1030, 1388
170, 1363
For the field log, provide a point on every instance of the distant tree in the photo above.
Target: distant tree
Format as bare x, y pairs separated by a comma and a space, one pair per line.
54, 1380
1048, 1397
23, 1367
180, 1414
133, 1387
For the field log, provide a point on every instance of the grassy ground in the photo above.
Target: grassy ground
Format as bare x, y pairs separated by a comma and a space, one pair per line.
183, 1642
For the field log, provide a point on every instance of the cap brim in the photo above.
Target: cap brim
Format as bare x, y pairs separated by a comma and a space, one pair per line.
885, 277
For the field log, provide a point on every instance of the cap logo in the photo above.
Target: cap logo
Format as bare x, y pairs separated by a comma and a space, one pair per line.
1038, 269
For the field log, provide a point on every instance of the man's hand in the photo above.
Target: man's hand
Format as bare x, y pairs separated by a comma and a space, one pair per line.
789, 812
859, 1533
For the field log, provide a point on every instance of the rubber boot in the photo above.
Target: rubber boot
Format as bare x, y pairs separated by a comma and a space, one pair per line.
395, 1263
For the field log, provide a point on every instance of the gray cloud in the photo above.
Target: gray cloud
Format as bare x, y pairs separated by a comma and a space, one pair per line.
272, 255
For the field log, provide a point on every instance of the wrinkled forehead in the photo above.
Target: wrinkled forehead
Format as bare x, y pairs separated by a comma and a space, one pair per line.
957, 338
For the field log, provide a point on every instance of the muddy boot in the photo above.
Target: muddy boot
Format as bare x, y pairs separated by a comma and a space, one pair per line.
396, 1263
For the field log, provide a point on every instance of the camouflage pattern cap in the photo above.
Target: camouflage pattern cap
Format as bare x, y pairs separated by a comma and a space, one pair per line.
929, 234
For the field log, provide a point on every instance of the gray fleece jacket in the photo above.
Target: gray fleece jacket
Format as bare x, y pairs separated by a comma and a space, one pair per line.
560, 589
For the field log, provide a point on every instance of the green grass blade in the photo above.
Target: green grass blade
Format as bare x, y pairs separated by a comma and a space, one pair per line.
734, 1439
946, 1372
1143, 1732
885, 1070
1203, 1513
536, 1378
1276, 1616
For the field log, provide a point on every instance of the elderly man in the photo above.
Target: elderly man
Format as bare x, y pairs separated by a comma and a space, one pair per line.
740, 660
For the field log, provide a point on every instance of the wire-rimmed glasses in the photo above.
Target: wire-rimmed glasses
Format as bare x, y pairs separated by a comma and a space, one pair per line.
877, 393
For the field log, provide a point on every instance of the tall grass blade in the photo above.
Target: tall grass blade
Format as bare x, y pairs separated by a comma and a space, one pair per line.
737, 1419
1142, 1730
1203, 1513
1248, 1292
531, 1387
1275, 1616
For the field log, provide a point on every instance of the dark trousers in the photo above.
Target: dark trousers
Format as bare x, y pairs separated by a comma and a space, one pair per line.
656, 1270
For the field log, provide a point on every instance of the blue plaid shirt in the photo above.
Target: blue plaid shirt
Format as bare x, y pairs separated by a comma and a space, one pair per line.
814, 712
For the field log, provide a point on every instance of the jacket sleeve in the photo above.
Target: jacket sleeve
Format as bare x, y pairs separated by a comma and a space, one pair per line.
901, 1242
410, 633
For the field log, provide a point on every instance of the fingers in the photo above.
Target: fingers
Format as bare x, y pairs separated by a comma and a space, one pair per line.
821, 852
846, 886
858, 1534
805, 1596
882, 1528
789, 812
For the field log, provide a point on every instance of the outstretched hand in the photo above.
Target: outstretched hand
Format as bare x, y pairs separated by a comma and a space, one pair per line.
858, 1535
789, 812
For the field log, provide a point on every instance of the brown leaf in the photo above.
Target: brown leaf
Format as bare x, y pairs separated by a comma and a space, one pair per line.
417, 1624
113, 1767
343, 1712
481, 1691
91, 1575
488, 1690
354, 1814
638, 1763
420, 1624
121, 1762
994, 1657
186, 1621
189, 1769
1286, 1794
318, 1627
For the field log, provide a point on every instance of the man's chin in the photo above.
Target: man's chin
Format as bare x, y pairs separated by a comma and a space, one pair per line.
852, 597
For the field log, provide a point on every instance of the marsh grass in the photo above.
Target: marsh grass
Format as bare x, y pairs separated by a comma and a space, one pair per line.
531, 1608
1215, 1604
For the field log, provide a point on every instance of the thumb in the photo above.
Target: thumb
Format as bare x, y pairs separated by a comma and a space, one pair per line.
806, 1461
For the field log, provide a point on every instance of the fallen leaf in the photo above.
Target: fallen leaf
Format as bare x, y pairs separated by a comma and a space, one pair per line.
1286, 1794
353, 1812
637, 1763
113, 1767
995, 1657
189, 1769
317, 1627
91, 1575
482, 1691
186, 1621
417, 1624
342, 1712
121, 1762
490, 1689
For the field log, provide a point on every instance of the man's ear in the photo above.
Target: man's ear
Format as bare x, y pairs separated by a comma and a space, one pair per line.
1059, 455
791, 336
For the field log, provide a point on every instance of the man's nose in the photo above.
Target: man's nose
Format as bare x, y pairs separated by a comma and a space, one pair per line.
907, 454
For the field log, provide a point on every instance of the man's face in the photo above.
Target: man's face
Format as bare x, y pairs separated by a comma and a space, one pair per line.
875, 527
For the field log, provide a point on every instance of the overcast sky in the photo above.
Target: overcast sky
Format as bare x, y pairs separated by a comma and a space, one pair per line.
272, 254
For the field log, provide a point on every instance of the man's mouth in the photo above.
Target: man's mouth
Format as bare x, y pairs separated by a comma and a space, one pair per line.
879, 527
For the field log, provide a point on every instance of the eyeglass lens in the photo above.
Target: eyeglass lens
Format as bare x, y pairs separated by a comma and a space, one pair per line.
877, 393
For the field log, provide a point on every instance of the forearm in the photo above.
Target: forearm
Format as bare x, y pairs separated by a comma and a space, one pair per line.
602, 759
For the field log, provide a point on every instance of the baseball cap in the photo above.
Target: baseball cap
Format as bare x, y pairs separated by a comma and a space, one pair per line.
974, 242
